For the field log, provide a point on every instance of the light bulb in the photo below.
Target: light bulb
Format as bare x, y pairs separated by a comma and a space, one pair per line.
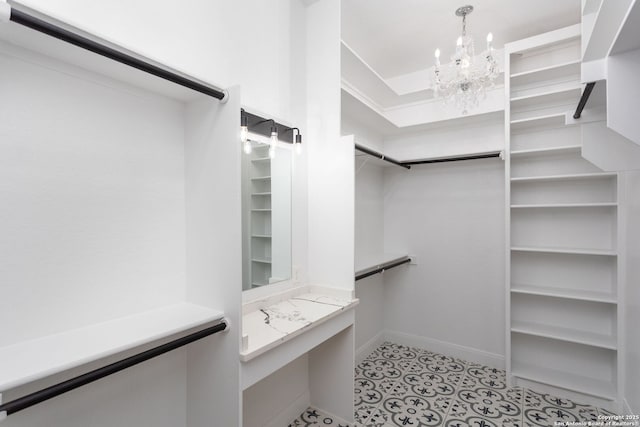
273, 141
489, 40
247, 147
244, 133
437, 54
298, 148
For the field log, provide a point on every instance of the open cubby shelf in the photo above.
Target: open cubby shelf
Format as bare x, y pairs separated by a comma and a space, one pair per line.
546, 151
575, 294
599, 175
565, 334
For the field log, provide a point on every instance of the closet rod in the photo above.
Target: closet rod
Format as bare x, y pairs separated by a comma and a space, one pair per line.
453, 159
381, 156
382, 268
55, 390
583, 99
37, 24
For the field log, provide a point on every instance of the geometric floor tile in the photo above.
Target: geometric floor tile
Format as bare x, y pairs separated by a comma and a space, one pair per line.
397, 385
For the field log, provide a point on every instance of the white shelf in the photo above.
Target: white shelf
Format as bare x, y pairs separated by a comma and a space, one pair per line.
549, 150
265, 193
261, 178
565, 205
260, 210
565, 177
565, 334
564, 95
590, 386
262, 261
543, 121
551, 72
548, 291
33, 360
261, 236
261, 160
576, 251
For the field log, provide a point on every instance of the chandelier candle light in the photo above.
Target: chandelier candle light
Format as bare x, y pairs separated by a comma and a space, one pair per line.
466, 78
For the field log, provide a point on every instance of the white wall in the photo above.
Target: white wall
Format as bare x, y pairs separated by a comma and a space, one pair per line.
92, 214
225, 42
632, 294
369, 242
330, 179
451, 217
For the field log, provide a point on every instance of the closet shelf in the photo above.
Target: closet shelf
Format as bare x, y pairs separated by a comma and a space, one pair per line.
550, 150
39, 358
551, 72
266, 193
262, 236
260, 210
599, 175
566, 95
261, 160
562, 379
262, 260
543, 121
565, 334
577, 251
577, 294
261, 178
565, 205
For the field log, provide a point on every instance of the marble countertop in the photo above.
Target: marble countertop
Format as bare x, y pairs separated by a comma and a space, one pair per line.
263, 328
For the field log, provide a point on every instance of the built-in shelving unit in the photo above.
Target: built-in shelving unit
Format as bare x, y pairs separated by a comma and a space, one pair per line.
260, 222
562, 229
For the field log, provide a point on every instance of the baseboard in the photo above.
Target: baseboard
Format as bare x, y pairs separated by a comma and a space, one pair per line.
365, 349
291, 412
466, 353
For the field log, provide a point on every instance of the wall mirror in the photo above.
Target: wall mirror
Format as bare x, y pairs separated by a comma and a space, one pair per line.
266, 208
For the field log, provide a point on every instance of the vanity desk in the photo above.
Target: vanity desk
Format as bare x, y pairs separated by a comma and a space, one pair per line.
307, 329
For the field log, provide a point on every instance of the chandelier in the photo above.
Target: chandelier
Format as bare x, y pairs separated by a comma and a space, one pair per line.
465, 79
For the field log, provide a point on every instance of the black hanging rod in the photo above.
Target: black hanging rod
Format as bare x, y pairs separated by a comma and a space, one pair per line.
381, 156
382, 268
453, 159
37, 24
55, 390
583, 99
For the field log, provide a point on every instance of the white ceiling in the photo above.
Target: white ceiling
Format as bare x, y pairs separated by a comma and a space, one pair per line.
396, 37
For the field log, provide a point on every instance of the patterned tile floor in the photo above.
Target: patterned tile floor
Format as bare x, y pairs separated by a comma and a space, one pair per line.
398, 385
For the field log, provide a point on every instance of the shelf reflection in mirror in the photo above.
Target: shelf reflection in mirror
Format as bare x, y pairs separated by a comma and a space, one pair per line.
266, 214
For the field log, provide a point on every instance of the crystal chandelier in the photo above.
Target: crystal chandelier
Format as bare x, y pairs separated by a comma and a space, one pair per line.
466, 78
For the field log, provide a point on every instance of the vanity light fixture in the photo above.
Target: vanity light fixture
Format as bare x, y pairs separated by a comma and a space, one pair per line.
244, 132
